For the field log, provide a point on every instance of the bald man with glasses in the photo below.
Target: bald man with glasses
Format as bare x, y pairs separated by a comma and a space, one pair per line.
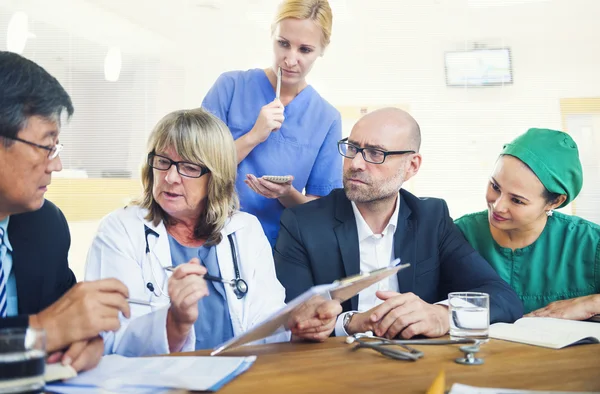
373, 221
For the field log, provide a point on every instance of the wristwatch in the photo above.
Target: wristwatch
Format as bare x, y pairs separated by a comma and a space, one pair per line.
347, 318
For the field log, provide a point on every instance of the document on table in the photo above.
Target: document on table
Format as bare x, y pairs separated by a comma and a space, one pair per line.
156, 374
458, 388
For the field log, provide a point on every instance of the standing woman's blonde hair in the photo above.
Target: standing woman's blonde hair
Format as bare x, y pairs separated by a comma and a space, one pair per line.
200, 138
318, 11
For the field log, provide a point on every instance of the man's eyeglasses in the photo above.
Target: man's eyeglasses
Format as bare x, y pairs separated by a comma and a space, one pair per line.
370, 155
53, 150
184, 168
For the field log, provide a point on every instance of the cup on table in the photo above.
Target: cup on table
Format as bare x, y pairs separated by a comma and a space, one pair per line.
469, 314
22, 360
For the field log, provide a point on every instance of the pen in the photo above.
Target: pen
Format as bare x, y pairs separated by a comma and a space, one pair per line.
206, 277
145, 303
278, 90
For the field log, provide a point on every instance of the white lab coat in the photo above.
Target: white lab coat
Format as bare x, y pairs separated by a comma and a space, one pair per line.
119, 251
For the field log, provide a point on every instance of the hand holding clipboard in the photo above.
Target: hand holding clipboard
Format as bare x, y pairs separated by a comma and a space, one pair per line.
340, 290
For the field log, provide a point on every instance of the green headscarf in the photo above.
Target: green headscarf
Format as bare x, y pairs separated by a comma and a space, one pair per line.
554, 158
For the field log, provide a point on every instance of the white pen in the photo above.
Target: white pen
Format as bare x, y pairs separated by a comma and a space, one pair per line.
278, 90
146, 303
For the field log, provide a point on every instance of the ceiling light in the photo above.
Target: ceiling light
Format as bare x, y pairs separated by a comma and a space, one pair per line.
18, 32
112, 64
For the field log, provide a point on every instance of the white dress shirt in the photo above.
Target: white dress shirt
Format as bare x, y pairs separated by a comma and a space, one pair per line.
376, 251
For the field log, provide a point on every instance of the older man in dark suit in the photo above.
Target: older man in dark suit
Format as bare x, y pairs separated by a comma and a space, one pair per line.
37, 288
370, 223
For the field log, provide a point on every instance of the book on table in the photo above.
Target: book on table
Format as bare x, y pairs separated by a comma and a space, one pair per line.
547, 332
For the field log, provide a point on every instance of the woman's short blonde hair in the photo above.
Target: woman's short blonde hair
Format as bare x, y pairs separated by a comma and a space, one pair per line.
318, 11
202, 138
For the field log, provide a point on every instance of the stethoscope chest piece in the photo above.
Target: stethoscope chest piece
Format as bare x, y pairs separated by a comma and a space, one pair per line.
240, 288
469, 358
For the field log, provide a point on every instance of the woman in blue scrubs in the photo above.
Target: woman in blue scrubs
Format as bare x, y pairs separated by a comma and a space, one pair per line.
294, 135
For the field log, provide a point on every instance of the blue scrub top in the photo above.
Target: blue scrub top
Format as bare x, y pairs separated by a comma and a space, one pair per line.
305, 146
213, 326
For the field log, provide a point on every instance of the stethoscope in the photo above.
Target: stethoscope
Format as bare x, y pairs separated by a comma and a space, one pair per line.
380, 344
240, 287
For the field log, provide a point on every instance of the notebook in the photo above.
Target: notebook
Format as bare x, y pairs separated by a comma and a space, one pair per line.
547, 332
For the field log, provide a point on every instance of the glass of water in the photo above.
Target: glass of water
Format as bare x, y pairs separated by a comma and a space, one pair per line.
469, 315
22, 360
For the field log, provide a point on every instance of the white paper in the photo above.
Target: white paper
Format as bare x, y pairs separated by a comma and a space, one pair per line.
146, 374
458, 388
547, 332
57, 371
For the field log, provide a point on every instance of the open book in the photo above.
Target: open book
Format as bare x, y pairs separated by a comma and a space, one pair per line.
341, 290
547, 332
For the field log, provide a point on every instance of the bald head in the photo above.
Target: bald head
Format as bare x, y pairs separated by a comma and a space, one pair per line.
394, 120
389, 140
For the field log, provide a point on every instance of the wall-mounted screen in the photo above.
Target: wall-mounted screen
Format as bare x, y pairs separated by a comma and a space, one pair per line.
479, 67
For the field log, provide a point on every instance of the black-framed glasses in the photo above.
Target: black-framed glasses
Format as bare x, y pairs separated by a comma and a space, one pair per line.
53, 150
371, 155
184, 168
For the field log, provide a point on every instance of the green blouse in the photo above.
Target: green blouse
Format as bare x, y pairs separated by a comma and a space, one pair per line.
563, 263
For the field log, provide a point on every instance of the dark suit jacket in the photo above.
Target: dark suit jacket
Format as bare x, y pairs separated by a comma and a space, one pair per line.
40, 242
318, 243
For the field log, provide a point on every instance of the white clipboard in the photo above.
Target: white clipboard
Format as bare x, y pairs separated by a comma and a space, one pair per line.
341, 290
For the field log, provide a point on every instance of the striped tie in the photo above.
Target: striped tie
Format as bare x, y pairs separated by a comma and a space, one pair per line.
3, 278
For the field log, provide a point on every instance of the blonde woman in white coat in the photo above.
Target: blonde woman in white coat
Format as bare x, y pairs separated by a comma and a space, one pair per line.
187, 226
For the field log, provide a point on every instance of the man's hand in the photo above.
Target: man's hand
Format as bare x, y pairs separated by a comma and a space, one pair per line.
314, 320
408, 315
81, 355
580, 308
87, 309
402, 314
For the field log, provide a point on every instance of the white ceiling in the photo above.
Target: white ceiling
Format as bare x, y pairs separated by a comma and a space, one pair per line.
188, 32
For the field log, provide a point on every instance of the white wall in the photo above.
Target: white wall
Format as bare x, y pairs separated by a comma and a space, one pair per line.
382, 51
397, 56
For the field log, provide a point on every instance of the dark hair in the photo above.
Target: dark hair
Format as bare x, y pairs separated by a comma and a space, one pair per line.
550, 197
26, 90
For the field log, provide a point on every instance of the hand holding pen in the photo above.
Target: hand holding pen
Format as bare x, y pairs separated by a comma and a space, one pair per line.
240, 284
270, 117
205, 276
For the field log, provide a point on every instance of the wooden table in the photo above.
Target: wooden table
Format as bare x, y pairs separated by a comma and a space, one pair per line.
332, 367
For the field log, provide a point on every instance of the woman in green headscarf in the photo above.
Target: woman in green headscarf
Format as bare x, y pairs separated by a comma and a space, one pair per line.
550, 259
